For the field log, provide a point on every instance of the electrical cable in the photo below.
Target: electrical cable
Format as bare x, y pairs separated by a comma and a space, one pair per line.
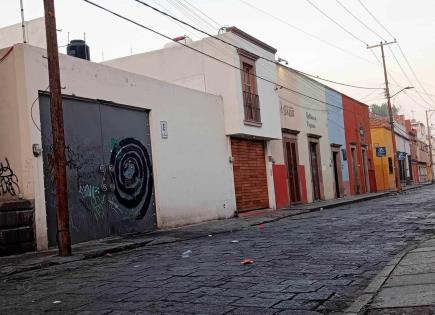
336, 23
358, 19
6, 54
201, 12
210, 56
374, 17
401, 51
237, 47
281, 20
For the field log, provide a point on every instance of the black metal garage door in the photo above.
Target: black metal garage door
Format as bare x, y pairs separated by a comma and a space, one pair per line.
109, 169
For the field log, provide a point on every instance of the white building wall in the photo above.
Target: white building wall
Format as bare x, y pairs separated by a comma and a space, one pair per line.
183, 66
294, 115
194, 179
34, 29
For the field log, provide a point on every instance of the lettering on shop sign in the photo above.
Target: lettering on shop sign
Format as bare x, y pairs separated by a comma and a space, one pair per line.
8, 180
311, 119
288, 111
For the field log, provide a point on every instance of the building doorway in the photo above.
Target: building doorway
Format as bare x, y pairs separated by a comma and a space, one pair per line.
338, 177
250, 174
315, 169
356, 181
365, 170
292, 163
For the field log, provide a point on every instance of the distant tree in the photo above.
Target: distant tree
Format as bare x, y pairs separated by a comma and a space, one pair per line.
382, 110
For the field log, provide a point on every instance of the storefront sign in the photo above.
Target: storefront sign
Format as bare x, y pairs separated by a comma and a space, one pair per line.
311, 119
287, 110
401, 156
381, 151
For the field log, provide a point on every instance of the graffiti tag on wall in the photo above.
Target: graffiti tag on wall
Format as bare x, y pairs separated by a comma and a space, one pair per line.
8, 180
131, 174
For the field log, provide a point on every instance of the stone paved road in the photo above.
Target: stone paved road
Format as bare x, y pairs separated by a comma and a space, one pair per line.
309, 264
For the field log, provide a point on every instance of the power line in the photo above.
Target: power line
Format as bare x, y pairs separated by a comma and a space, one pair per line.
374, 17
336, 23
237, 47
207, 55
413, 72
305, 32
401, 51
202, 12
358, 19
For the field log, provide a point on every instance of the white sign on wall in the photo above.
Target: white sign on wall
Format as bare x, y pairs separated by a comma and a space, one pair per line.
164, 129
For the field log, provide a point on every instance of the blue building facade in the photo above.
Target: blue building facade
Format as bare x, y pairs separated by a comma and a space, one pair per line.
337, 139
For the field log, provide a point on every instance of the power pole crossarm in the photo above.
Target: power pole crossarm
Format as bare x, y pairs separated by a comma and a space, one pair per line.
390, 114
63, 234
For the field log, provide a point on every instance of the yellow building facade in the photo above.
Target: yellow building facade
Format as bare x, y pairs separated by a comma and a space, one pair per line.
384, 165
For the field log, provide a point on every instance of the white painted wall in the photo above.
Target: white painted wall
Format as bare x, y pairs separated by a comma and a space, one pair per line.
185, 67
301, 106
35, 33
194, 179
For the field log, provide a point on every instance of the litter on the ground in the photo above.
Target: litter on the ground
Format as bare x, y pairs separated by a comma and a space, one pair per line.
247, 261
136, 266
56, 302
234, 241
186, 254
109, 255
210, 235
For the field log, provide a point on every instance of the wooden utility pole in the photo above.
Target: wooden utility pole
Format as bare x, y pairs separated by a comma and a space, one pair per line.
63, 234
430, 143
390, 114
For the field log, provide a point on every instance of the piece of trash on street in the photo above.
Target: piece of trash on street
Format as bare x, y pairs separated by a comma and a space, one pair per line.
210, 235
321, 208
234, 241
136, 266
109, 255
247, 261
186, 254
56, 302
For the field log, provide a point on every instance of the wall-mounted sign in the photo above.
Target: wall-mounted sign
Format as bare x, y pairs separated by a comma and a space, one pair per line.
287, 110
164, 129
401, 156
311, 119
381, 151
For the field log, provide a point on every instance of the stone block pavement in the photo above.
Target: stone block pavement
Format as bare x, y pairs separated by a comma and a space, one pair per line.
312, 263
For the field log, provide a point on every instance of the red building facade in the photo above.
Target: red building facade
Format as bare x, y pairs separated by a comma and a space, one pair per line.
358, 147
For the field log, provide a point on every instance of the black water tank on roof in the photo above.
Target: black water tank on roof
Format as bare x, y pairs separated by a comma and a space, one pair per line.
78, 48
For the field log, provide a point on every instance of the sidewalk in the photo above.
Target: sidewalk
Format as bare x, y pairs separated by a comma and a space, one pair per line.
36, 260
405, 286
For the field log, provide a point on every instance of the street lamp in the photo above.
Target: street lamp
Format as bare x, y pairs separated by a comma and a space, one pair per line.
405, 88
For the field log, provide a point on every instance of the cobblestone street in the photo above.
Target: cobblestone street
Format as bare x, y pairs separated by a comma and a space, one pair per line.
308, 264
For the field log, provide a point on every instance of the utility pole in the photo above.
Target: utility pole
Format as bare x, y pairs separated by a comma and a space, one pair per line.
63, 234
430, 143
23, 27
390, 113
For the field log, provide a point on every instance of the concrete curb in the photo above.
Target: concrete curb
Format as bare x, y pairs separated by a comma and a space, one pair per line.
360, 305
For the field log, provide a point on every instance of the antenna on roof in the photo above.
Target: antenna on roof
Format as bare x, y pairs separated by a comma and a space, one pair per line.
23, 26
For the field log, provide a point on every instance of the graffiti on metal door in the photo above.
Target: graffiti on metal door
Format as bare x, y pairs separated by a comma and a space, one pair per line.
131, 176
8, 180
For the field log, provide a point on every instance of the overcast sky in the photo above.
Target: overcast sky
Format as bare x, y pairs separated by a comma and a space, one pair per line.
412, 23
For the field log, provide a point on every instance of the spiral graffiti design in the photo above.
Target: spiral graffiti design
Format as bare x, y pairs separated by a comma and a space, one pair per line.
131, 170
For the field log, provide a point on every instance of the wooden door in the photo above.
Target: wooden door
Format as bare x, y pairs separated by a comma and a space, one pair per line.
315, 176
291, 154
250, 176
